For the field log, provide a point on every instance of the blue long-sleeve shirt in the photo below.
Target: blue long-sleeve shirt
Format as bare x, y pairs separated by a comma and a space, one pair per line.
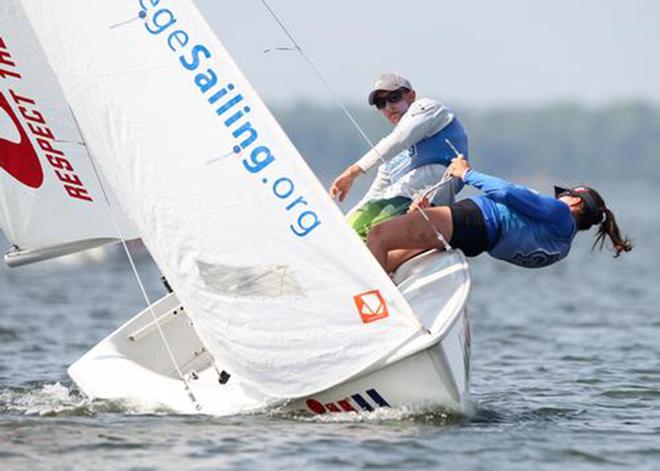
524, 227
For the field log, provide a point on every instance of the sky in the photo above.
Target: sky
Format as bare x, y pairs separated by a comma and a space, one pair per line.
471, 52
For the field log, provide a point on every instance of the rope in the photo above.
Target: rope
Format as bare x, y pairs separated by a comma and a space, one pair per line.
145, 296
319, 75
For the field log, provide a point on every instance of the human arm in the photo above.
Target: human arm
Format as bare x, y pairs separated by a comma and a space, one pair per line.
528, 202
420, 203
376, 190
424, 118
342, 184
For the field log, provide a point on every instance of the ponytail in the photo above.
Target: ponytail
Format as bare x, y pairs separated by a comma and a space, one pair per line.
608, 227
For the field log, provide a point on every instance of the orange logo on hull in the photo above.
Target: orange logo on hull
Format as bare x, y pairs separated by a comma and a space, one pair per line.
371, 306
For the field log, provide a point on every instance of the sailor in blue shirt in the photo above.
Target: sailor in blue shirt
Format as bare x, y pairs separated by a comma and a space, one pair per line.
509, 221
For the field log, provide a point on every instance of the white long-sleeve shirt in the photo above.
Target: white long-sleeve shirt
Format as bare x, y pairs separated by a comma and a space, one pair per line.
395, 152
424, 118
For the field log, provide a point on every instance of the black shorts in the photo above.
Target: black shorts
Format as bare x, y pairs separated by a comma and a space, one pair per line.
470, 234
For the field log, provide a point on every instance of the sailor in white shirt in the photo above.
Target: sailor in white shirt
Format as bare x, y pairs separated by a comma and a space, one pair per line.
412, 158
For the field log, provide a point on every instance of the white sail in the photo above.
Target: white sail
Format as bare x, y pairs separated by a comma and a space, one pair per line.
279, 288
51, 202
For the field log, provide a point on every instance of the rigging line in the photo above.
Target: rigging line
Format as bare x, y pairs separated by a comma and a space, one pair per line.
318, 74
117, 227
339, 102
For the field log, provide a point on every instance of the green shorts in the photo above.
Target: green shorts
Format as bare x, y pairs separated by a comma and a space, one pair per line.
376, 211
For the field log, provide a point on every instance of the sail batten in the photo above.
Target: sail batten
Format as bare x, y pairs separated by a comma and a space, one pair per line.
279, 288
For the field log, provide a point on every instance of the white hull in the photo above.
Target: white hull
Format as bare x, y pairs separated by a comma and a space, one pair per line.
430, 371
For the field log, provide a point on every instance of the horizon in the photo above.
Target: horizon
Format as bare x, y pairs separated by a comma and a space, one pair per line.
483, 108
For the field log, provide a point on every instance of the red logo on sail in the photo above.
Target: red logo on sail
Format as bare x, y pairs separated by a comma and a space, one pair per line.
17, 155
371, 306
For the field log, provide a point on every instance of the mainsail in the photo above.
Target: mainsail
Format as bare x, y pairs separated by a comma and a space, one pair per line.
279, 288
51, 202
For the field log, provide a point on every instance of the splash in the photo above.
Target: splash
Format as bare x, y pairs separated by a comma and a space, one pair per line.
54, 400
49, 399
59, 400
381, 415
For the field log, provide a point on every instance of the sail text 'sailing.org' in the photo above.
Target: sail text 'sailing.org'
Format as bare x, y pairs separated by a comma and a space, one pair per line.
225, 99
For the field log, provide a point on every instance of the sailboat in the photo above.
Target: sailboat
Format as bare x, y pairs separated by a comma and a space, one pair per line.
128, 118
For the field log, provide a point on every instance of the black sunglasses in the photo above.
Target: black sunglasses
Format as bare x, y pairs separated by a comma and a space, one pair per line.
567, 193
392, 97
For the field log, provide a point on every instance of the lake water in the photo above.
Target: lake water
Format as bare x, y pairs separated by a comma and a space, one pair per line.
566, 375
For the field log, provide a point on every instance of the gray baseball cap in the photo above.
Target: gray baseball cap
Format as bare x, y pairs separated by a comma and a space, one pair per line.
388, 82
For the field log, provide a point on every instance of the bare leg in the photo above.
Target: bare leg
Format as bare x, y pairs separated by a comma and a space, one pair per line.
397, 256
410, 231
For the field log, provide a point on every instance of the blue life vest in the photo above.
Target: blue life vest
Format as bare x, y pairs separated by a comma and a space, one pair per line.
432, 150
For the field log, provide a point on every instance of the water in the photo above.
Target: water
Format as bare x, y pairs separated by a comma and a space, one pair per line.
566, 375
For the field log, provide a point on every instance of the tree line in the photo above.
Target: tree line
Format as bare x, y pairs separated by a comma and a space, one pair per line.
569, 141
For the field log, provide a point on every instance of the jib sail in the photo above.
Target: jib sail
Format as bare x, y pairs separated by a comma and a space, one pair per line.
279, 288
51, 202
